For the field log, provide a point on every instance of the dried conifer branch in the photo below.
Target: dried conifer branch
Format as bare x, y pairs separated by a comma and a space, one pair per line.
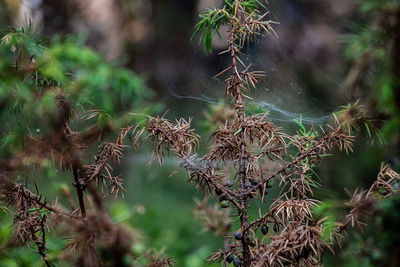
293, 210
312, 153
108, 151
160, 261
79, 190
65, 147
31, 214
363, 203
176, 137
207, 181
296, 245
387, 182
16, 194
245, 142
259, 153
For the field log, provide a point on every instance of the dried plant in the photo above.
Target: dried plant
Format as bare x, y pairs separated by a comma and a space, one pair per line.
364, 203
260, 153
176, 137
93, 228
92, 237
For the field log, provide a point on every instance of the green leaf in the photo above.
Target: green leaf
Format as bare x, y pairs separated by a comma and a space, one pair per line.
208, 40
238, 131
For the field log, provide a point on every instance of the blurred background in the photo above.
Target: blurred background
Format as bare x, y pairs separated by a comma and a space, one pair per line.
328, 54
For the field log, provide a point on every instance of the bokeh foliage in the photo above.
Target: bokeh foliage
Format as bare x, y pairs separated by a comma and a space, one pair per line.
32, 71
372, 49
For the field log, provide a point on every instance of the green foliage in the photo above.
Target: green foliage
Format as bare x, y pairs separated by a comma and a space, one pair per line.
250, 5
253, 109
211, 20
326, 212
90, 79
210, 23
35, 70
302, 129
372, 45
372, 5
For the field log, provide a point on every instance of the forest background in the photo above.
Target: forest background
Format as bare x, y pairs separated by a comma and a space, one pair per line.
321, 61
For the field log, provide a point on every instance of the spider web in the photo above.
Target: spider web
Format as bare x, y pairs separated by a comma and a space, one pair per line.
293, 87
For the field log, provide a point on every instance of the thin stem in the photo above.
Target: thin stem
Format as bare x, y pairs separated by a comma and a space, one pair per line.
41, 244
79, 190
242, 164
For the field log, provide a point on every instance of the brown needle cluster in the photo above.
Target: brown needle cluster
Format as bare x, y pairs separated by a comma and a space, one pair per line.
176, 137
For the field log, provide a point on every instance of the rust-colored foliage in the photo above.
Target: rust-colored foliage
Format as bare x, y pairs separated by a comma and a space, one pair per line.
260, 153
176, 137
87, 226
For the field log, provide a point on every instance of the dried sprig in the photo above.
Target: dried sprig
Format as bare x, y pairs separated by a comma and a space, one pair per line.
100, 170
363, 203
169, 136
298, 245
293, 210
32, 213
387, 183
